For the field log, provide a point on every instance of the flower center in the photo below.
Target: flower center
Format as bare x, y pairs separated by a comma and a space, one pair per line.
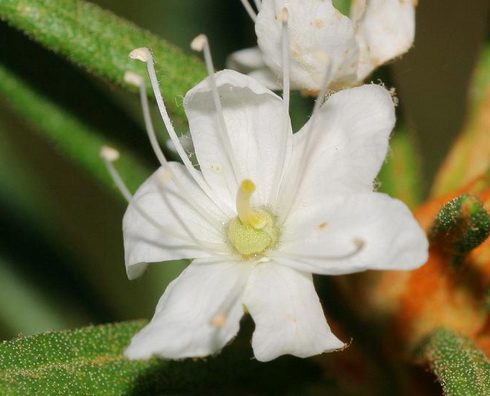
253, 231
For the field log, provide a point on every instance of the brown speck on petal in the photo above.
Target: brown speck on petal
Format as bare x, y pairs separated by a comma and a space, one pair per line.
219, 319
318, 23
322, 226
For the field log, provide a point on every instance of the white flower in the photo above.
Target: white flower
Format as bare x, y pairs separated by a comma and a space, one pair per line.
377, 31
266, 209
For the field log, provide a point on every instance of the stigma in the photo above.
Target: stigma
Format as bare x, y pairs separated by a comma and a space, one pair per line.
253, 231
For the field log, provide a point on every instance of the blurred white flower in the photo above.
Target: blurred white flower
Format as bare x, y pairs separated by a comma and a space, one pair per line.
377, 31
265, 210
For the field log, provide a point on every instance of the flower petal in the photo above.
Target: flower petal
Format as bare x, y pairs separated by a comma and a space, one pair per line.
347, 146
350, 233
386, 29
144, 243
245, 60
257, 131
314, 25
287, 313
198, 314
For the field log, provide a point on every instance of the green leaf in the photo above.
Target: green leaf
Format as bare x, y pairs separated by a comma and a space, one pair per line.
460, 367
343, 6
66, 132
89, 361
99, 41
400, 174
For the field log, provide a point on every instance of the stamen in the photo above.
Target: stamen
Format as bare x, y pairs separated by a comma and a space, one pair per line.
144, 55
320, 99
201, 44
307, 143
109, 155
284, 18
250, 11
137, 80
245, 213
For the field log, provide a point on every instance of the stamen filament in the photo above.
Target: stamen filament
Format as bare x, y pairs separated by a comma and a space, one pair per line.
279, 172
144, 55
201, 44
137, 80
320, 99
109, 155
250, 11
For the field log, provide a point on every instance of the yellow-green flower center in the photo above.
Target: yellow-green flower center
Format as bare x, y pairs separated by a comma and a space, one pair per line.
253, 231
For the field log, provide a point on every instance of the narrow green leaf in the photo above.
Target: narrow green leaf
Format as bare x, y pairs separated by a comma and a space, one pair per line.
343, 6
460, 367
100, 41
89, 361
400, 174
67, 133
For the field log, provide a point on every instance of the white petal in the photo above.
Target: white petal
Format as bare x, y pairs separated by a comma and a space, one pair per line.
314, 26
385, 31
348, 144
144, 243
198, 314
245, 60
287, 313
350, 233
257, 132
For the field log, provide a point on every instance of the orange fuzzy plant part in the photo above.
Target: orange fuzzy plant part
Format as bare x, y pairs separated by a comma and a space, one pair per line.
443, 292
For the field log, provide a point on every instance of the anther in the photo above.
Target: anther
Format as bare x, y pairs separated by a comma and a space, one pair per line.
283, 16
142, 54
133, 79
199, 42
109, 154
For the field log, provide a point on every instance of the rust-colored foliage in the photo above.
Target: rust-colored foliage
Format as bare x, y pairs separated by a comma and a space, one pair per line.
451, 289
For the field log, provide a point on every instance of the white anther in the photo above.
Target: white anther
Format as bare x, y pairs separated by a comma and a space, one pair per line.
283, 16
133, 79
199, 42
109, 154
142, 54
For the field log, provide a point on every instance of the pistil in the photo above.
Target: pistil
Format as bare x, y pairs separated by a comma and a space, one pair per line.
253, 231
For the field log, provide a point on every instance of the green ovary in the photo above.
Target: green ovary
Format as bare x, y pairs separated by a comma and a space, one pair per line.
250, 241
